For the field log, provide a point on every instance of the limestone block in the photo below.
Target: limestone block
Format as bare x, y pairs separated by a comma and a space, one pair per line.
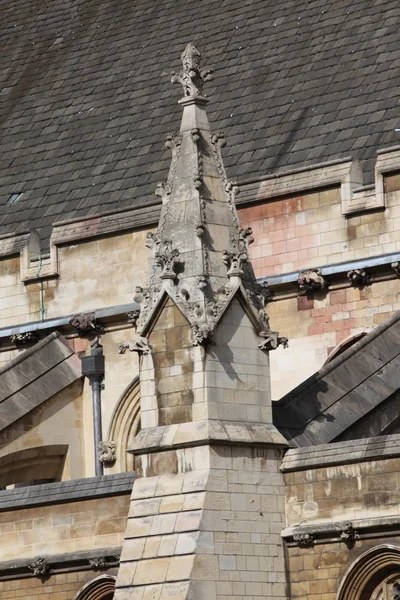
151, 571
180, 567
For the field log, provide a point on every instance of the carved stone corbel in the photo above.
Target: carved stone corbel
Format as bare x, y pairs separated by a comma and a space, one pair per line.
40, 567
107, 453
311, 281
23, 339
99, 563
396, 268
271, 341
139, 345
87, 325
349, 535
358, 277
304, 540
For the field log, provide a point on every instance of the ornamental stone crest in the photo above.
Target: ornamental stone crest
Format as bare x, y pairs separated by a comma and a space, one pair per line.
192, 77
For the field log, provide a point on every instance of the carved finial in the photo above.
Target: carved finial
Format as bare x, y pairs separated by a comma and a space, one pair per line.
192, 77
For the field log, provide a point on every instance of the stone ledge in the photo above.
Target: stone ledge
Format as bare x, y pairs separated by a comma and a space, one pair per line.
198, 433
61, 563
341, 453
66, 491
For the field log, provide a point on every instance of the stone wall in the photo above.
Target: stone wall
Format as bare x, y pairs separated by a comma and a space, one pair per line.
290, 233
321, 501
60, 586
63, 528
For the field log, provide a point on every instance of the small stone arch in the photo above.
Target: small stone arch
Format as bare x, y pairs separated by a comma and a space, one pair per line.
100, 588
125, 424
368, 571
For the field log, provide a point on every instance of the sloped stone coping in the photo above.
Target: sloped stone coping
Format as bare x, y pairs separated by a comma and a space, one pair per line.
66, 491
198, 433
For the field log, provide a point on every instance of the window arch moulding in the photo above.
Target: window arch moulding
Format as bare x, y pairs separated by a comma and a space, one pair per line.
100, 588
369, 572
125, 425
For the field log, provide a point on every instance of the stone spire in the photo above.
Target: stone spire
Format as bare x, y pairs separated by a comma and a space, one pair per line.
200, 252
207, 456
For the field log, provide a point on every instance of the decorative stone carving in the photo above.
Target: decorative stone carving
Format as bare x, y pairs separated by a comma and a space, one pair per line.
396, 268
200, 228
99, 563
271, 341
304, 540
107, 453
349, 535
163, 190
167, 258
87, 325
192, 77
195, 135
235, 259
23, 339
311, 281
139, 345
218, 139
234, 262
198, 182
265, 293
358, 277
40, 567
173, 143
133, 316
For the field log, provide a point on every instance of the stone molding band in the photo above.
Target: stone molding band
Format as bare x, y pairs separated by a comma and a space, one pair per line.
46, 566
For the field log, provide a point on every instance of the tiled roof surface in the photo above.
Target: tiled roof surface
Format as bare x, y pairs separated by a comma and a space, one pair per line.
86, 103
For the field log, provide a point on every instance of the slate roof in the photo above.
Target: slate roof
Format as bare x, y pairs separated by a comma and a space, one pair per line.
86, 103
345, 392
36, 375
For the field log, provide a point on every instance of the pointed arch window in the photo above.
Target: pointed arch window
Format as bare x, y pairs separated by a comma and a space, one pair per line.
100, 588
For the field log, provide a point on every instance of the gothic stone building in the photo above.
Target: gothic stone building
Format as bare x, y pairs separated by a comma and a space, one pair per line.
199, 387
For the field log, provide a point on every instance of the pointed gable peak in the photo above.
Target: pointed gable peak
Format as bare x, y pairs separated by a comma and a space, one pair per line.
200, 252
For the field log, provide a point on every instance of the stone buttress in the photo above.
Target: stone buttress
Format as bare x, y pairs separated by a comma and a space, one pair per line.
207, 505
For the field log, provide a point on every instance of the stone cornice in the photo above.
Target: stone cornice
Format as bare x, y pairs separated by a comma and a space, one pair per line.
334, 532
45, 566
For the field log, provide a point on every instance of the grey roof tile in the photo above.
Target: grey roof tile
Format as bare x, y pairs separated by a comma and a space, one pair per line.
84, 86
